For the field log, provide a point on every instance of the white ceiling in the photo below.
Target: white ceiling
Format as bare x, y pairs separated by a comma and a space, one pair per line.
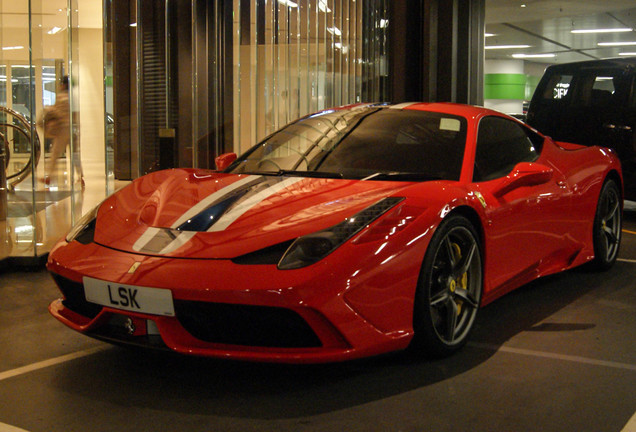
545, 25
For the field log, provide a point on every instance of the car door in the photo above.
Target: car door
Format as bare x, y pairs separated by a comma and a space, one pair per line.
527, 220
596, 114
627, 128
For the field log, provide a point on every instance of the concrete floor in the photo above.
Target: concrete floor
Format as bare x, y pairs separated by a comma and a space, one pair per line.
556, 355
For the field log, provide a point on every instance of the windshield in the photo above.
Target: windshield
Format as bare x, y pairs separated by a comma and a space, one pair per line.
364, 143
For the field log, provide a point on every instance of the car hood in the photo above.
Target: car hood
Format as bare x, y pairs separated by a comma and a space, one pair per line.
202, 214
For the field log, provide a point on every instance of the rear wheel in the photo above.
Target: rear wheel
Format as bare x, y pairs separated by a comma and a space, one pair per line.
608, 224
450, 288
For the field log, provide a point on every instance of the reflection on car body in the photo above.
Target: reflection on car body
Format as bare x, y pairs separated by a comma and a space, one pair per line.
351, 232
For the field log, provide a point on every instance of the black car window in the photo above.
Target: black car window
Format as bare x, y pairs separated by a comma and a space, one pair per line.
401, 141
632, 99
501, 144
557, 87
292, 147
374, 143
599, 89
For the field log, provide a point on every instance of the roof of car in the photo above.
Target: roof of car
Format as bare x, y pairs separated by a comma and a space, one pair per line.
469, 111
592, 64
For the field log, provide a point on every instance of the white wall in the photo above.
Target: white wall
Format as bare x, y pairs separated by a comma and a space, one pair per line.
504, 66
91, 88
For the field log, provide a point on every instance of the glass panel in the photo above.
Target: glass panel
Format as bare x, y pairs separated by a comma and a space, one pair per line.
293, 58
18, 234
212, 97
109, 102
40, 95
365, 143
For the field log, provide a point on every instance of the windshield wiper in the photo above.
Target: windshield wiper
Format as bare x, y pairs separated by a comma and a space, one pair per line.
401, 176
314, 174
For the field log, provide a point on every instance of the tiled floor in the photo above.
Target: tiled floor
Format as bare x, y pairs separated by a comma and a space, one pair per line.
557, 355
25, 233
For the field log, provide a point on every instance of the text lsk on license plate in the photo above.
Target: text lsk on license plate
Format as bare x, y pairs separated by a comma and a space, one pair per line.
153, 301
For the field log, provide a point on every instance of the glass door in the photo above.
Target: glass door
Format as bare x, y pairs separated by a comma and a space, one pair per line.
47, 182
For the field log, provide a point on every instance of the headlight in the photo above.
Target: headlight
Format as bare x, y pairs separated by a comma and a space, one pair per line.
311, 248
84, 230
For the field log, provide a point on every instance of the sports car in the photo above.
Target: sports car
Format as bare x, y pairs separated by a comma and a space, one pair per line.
351, 232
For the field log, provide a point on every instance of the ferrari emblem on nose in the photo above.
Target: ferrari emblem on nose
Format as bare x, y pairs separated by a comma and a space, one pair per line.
481, 199
134, 267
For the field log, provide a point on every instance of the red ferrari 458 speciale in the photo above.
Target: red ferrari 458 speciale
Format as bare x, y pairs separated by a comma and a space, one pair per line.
351, 232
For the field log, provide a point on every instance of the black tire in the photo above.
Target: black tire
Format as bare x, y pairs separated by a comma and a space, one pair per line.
449, 288
608, 223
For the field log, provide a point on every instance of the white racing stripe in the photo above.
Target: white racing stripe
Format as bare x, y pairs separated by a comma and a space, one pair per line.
166, 240
227, 219
182, 238
207, 201
148, 240
148, 235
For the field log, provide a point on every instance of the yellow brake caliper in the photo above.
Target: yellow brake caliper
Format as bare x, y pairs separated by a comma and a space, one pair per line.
463, 281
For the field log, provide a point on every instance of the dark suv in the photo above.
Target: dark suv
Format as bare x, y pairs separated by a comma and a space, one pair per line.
591, 103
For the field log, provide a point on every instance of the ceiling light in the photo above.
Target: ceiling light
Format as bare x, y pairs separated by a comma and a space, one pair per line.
627, 54
54, 30
323, 6
534, 55
507, 46
606, 30
489, 34
616, 43
10, 48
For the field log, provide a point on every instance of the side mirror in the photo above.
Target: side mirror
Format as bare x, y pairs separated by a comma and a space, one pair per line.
225, 160
524, 174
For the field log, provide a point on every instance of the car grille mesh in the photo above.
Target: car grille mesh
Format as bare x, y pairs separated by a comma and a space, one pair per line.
246, 325
223, 323
74, 297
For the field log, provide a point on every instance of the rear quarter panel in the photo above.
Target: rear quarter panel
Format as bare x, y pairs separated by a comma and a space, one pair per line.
586, 169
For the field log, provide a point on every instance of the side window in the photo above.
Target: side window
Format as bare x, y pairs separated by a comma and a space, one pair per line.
557, 87
501, 144
601, 89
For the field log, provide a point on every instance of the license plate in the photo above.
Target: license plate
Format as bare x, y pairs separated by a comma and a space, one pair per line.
154, 301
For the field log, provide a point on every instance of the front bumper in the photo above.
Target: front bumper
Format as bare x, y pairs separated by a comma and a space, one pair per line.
246, 312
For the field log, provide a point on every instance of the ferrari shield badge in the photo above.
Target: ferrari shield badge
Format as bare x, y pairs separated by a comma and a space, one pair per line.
481, 199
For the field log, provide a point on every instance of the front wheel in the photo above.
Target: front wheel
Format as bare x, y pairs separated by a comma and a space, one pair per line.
449, 289
608, 223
